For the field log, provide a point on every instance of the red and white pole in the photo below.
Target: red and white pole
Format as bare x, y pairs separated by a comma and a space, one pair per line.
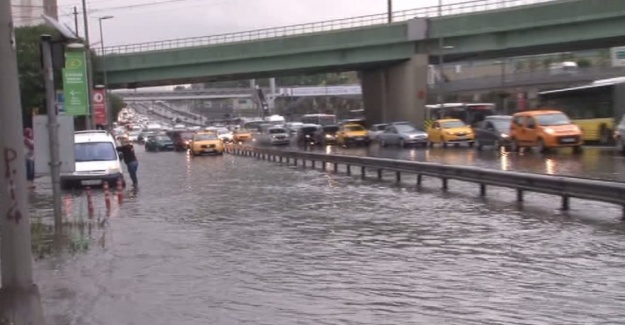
120, 191
107, 196
89, 202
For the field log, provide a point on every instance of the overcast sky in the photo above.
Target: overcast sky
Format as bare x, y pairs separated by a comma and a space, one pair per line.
152, 20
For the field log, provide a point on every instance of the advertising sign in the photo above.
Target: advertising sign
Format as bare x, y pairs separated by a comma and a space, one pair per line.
618, 56
75, 84
99, 106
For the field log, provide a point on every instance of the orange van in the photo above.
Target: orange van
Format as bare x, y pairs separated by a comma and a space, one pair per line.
545, 130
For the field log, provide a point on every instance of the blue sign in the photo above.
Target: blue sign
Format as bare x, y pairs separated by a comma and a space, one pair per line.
60, 102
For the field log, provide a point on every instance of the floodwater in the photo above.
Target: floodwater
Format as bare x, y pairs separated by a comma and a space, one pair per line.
234, 240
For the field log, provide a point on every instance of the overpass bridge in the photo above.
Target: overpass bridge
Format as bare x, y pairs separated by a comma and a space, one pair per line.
393, 58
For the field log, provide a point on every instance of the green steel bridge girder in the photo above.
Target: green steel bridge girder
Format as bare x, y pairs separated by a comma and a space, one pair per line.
566, 25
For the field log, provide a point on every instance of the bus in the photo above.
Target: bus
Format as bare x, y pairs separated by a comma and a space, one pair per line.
593, 107
320, 119
469, 113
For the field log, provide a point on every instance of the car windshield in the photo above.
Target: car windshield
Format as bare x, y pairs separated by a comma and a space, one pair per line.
274, 131
354, 128
330, 129
405, 128
552, 119
379, 127
452, 124
204, 137
502, 124
95, 151
163, 138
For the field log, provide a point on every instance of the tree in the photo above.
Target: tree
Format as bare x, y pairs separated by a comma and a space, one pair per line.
32, 89
116, 104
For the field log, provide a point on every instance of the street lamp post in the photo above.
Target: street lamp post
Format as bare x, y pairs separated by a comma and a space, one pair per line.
389, 6
109, 109
441, 79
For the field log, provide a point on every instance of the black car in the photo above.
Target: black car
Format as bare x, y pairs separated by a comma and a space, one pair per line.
326, 134
493, 131
159, 143
306, 135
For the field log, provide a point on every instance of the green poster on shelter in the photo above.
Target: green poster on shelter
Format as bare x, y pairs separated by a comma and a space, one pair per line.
75, 84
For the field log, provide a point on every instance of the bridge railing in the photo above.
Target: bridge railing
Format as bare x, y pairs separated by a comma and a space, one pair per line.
565, 187
323, 26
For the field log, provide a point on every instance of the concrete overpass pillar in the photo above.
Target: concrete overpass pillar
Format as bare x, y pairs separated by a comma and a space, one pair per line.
396, 92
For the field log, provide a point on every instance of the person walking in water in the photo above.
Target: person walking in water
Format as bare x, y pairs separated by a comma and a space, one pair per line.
128, 153
29, 153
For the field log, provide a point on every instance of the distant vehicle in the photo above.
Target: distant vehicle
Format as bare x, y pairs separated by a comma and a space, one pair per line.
133, 135
274, 135
181, 139
179, 126
159, 143
97, 160
154, 127
352, 134
450, 131
469, 113
402, 135
376, 130
205, 142
292, 127
493, 131
566, 67
327, 134
306, 135
319, 119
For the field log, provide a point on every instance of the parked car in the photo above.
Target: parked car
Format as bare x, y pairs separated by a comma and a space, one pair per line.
544, 129
493, 131
206, 142
402, 135
450, 131
159, 143
352, 134
97, 160
326, 134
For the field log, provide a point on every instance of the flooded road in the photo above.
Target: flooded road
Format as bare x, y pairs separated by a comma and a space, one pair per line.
595, 162
233, 240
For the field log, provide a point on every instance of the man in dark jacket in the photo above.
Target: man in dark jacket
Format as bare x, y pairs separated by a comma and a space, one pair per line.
128, 153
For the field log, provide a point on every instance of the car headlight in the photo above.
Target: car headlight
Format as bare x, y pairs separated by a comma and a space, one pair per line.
113, 170
549, 131
328, 136
504, 135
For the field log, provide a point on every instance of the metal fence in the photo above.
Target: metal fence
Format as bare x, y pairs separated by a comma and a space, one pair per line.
565, 187
324, 26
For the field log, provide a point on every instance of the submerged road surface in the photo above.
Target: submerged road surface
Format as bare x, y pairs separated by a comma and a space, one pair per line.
233, 240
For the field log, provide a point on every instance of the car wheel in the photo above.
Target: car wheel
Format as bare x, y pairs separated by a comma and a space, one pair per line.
471, 144
578, 149
514, 145
444, 143
496, 145
402, 143
478, 145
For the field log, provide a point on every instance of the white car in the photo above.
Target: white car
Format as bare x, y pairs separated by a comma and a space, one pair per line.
133, 135
224, 134
97, 160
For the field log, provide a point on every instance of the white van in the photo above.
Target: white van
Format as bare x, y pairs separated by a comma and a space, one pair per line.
97, 160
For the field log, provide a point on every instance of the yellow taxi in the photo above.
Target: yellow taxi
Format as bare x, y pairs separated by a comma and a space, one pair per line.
206, 142
240, 136
352, 134
450, 131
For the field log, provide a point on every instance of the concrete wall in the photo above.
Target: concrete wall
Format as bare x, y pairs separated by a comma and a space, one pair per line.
396, 92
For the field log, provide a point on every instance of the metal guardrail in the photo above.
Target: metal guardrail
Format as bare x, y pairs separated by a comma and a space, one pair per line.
323, 26
565, 187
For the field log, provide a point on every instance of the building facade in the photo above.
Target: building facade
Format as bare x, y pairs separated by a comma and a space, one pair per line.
28, 12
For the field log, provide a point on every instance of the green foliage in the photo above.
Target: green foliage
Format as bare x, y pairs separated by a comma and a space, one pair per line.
584, 63
116, 104
32, 90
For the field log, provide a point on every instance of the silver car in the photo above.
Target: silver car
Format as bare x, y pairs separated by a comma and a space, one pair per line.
402, 134
376, 130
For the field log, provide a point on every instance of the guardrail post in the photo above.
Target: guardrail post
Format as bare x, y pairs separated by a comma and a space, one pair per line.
280, 159
336, 167
323, 165
349, 170
379, 173
294, 161
444, 180
482, 189
519, 195
312, 164
419, 179
565, 203
363, 172
288, 160
397, 177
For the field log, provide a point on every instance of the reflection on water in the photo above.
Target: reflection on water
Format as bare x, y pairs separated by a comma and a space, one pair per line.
595, 162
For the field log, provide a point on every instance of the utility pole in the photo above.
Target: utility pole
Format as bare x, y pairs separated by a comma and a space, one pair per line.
89, 118
20, 302
53, 131
389, 7
109, 109
75, 13
441, 92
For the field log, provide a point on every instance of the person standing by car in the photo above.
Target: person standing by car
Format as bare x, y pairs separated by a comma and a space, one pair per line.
128, 153
29, 153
